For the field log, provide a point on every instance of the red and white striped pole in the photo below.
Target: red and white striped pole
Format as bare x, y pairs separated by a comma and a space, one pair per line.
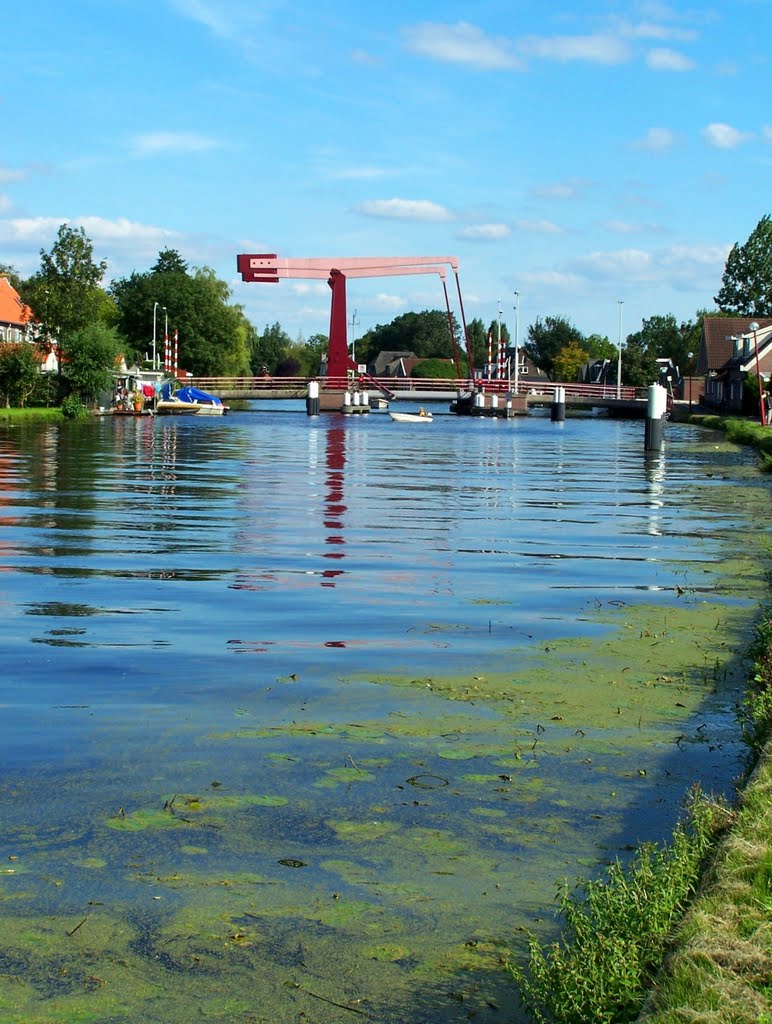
176, 351
490, 355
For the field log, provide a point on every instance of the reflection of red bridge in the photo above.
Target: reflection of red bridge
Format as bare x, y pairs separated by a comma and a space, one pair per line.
425, 390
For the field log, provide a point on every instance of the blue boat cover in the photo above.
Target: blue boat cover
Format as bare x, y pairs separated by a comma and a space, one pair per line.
189, 394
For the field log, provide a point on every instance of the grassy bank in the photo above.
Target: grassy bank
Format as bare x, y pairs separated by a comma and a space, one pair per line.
740, 431
30, 414
683, 934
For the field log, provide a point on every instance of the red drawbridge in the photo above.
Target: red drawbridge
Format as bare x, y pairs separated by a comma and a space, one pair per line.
268, 268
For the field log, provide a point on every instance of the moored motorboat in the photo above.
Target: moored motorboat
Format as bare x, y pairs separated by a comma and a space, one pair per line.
187, 401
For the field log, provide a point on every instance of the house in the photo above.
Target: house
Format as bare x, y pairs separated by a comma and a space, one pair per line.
15, 316
18, 323
728, 353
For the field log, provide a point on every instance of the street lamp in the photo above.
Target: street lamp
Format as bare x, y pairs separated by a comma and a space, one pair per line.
762, 417
619, 361
167, 360
155, 307
690, 356
353, 325
499, 360
517, 338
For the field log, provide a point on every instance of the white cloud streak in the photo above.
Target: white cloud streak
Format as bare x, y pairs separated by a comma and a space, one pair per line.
151, 143
486, 232
404, 209
462, 43
724, 136
656, 140
661, 59
596, 49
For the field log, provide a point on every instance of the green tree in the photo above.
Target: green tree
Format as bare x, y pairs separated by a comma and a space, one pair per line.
311, 354
746, 288
426, 334
599, 347
439, 368
478, 341
547, 337
214, 335
90, 365
569, 361
6, 270
65, 293
19, 372
639, 363
269, 349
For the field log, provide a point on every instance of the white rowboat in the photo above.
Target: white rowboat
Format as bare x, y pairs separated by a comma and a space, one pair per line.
411, 417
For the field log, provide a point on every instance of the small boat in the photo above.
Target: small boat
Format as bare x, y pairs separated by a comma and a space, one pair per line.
189, 400
411, 417
173, 406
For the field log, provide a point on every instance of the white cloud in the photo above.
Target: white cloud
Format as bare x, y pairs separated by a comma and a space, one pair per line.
650, 30
462, 43
404, 209
662, 59
656, 140
767, 133
359, 174
486, 231
625, 228
5, 204
7, 175
171, 142
562, 189
598, 49
724, 136
41, 231
540, 227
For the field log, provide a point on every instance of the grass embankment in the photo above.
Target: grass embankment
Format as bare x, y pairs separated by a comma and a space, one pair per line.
683, 934
740, 431
31, 414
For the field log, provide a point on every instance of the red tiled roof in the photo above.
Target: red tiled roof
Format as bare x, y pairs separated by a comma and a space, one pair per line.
12, 310
717, 333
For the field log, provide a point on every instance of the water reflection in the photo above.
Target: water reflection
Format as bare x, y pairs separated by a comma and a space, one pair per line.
334, 502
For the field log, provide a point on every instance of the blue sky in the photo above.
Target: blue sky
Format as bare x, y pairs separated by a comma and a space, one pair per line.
581, 154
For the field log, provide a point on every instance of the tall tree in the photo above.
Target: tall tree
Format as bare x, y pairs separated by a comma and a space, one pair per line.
569, 361
214, 335
91, 362
547, 337
269, 349
19, 372
746, 288
65, 293
426, 334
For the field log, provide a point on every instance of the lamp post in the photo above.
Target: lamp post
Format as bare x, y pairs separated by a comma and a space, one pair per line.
517, 339
762, 417
155, 307
499, 360
690, 356
166, 338
353, 326
619, 360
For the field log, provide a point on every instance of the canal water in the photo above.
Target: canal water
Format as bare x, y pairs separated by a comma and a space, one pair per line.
305, 719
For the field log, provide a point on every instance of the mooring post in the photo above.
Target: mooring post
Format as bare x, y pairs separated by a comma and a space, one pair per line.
558, 409
312, 399
655, 418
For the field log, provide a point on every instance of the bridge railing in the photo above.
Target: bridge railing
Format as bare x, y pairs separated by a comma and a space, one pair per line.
405, 385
